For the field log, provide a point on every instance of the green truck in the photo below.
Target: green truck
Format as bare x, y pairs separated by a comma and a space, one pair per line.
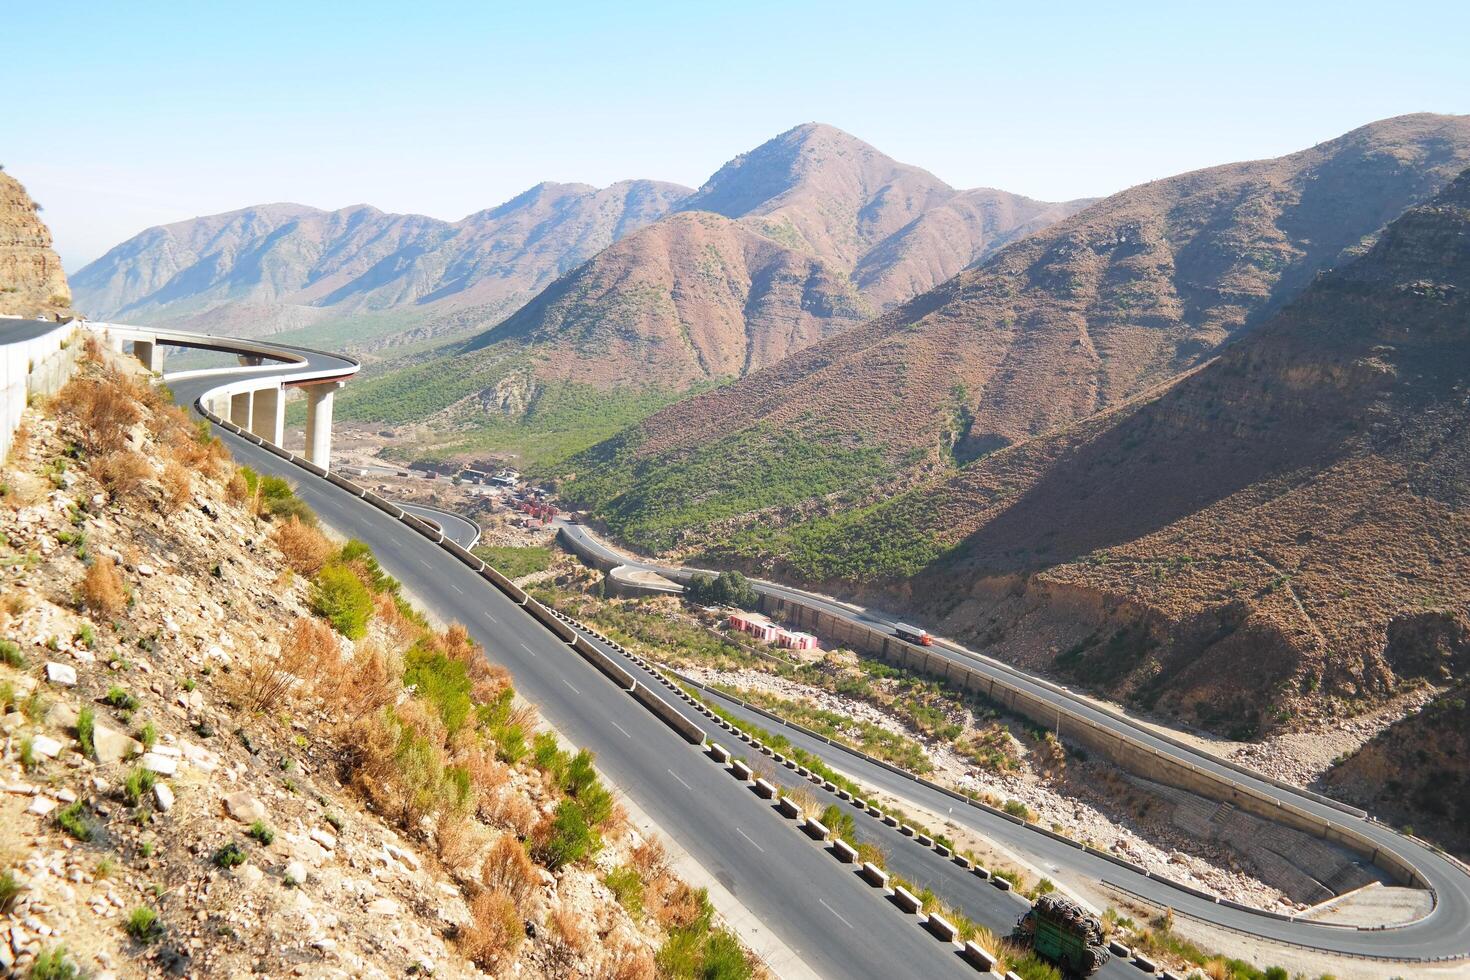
1062, 931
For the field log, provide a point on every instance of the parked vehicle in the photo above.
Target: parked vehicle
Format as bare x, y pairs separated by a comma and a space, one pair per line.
1062, 931
913, 635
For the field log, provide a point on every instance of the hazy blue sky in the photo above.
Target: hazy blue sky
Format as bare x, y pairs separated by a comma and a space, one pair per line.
134, 114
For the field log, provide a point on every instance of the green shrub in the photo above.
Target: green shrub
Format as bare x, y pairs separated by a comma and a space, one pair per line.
148, 735
1018, 809
572, 837
441, 681
262, 833
9, 888
339, 596
137, 784
358, 553
86, 731
510, 744
548, 756
143, 925
74, 821
54, 964
121, 699
232, 855
279, 500
627, 887
10, 654
726, 589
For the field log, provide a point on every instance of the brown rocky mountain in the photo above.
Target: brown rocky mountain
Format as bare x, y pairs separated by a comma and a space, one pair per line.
31, 279
1081, 316
284, 266
694, 297
1279, 535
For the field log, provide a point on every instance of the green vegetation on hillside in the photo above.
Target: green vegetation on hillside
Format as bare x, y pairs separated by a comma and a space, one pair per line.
514, 562
647, 502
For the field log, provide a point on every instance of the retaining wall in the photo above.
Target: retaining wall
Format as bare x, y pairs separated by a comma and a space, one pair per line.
39, 366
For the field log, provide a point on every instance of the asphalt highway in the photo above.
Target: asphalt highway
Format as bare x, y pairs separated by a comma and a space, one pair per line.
1444, 932
818, 907
461, 530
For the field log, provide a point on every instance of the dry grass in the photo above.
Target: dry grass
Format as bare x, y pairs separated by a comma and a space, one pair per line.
178, 486
650, 859
105, 407
308, 650
305, 548
672, 903
103, 590
568, 926
121, 472
494, 931
237, 490
508, 869
457, 837
513, 811
630, 963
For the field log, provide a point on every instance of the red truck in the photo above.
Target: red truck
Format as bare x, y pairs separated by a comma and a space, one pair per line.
913, 635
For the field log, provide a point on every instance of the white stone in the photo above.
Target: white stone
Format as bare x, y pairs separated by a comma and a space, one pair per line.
326, 840
296, 873
244, 807
163, 796
63, 674
46, 745
162, 764
146, 570
383, 906
41, 805
249, 874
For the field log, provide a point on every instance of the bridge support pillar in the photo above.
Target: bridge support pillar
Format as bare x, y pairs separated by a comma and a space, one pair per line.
150, 354
319, 422
268, 414
240, 405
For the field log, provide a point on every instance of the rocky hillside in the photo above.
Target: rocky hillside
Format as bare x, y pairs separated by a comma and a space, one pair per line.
1280, 535
282, 266
31, 278
1079, 317
230, 747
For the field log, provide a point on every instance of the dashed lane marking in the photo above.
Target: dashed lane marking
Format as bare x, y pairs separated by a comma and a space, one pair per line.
528, 650
456, 588
751, 839
835, 912
569, 684
620, 728
681, 782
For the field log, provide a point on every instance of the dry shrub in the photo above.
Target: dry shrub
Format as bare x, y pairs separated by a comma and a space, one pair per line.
615, 825
568, 926
650, 859
524, 717
674, 903
308, 650
121, 472
398, 629
305, 548
237, 490
103, 590
512, 811
178, 487
508, 869
457, 838
20, 441
105, 407
495, 929
366, 683
91, 347
630, 963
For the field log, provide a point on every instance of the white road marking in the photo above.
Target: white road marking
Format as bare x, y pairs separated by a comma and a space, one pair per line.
835, 912
569, 684
492, 619
456, 588
681, 782
748, 837
425, 564
528, 650
620, 728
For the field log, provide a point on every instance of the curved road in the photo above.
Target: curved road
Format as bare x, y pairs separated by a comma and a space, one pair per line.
461, 530
1443, 933
817, 907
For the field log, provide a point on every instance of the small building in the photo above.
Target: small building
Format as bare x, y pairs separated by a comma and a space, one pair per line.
793, 640
756, 625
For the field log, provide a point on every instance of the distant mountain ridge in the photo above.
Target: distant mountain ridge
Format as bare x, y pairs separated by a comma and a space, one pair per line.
292, 265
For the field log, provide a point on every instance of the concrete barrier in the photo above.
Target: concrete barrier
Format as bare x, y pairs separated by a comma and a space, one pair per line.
906, 900
764, 789
941, 928
942, 851
980, 871
668, 714
423, 527
873, 875
719, 753
300, 461
551, 622
815, 829
1001, 883
346, 484
383, 505
904, 829
1119, 950
977, 957
462, 553
1145, 964
787, 807
843, 851
604, 663
924, 840
740, 770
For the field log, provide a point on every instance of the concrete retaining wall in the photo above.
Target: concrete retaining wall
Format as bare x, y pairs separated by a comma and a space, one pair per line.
604, 663
39, 366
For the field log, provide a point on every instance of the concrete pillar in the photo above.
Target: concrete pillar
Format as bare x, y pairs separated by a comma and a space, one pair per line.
319, 422
150, 354
240, 405
269, 415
